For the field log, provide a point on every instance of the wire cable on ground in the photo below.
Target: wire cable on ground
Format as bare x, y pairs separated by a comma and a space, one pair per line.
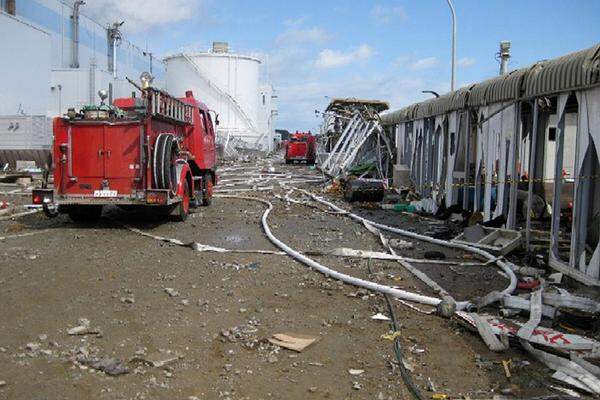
395, 327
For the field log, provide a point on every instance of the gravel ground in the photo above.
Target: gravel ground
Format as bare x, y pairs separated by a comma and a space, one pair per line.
210, 314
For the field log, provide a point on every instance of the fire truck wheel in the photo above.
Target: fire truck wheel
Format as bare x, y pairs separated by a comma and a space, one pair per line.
84, 213
288, 161
183, 208
207, 190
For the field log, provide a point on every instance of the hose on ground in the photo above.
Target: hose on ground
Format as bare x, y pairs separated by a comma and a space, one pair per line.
376, 287
503, 265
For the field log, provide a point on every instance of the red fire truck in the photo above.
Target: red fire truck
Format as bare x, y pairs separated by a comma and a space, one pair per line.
154, 150
301, 146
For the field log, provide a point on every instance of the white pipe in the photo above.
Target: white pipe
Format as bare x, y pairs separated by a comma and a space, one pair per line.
504, 266
398, 293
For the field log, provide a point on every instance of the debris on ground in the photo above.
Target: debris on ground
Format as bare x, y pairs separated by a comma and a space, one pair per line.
109, 365
355, 372
84, 328
157, 359
380, 317
293, 341
171, 292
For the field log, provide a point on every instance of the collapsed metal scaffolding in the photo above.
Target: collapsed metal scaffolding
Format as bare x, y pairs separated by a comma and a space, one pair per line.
352, 138
230, 147
522, 146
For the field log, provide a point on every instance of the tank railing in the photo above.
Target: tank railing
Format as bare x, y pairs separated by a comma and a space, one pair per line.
210, 81
166, 106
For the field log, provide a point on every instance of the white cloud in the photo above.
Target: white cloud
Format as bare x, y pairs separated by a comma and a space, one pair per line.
424, 63
334, 58
141, 15
466, 62
298, 35
386, 14
297, 42
299, 99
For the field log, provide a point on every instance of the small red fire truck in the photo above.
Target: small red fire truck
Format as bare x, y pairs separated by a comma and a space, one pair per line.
301, 146
154, 150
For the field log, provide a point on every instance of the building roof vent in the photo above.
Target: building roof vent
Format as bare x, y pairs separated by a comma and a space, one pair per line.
220, 47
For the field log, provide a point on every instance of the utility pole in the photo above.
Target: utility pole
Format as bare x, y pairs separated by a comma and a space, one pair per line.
504, 55
151, 55
453, 42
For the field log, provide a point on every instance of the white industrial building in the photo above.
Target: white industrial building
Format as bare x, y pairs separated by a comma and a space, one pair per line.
230, 84
54, 58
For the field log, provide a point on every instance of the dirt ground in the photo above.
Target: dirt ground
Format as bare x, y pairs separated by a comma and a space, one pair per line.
214, 311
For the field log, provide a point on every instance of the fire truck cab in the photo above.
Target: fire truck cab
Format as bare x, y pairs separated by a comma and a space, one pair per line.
301, 146
154, 151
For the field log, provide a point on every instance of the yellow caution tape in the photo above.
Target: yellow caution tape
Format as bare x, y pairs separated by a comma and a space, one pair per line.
506, 365
390, 336
509, 182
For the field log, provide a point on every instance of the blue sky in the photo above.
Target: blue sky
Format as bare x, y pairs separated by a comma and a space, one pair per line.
389, 50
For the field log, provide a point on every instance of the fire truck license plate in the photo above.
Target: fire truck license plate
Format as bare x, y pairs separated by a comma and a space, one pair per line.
105, 193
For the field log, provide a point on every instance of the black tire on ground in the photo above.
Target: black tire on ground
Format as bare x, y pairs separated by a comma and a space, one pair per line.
84, 213
183, 208
207, 190
288, 161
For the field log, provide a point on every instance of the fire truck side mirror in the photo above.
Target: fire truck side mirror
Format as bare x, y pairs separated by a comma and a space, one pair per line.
217, 120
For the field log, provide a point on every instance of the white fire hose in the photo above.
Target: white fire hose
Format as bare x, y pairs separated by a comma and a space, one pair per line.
398, 293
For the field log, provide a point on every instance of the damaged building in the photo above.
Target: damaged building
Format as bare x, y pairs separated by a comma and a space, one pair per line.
523, 147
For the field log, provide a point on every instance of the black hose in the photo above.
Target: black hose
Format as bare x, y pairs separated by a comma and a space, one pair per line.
404, 373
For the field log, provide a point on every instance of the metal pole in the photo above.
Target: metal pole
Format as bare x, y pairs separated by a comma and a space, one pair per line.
75, 29
453, 42
504, 55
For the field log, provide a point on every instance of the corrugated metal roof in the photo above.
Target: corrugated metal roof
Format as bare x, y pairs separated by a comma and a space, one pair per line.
501, 88
573, 71
570, 72
411, 111
510, 87
425, 109
441, 104
394, 117
401, 115
459, 98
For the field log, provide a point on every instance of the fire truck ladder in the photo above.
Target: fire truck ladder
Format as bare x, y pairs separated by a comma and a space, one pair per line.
166, 106
204, 75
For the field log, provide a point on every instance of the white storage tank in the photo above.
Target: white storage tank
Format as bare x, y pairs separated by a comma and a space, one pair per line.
228, 83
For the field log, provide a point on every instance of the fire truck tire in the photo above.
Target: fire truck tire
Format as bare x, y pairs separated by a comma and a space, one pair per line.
183, 208
84, 213
288, 161
163, 152
207, 190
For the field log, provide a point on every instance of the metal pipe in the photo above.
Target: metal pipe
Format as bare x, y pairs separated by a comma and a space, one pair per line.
504, 55
114, 54
75, 27
453, 42
92, 82
114, 35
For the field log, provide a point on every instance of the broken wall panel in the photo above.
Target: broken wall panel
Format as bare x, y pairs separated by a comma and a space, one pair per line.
527, 141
